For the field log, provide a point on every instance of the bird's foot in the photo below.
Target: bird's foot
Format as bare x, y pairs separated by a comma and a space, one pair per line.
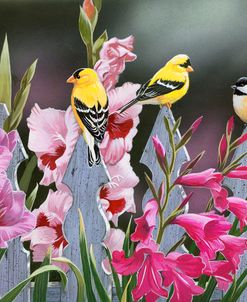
168, 105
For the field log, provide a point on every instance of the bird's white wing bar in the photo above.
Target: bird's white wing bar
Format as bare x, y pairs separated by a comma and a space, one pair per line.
167, 85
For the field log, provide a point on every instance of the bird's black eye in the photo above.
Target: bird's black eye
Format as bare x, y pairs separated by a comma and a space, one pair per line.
76, 74
186, 64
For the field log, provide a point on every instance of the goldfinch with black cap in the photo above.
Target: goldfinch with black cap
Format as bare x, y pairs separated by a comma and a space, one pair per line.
240, 98
167, 86
90, 106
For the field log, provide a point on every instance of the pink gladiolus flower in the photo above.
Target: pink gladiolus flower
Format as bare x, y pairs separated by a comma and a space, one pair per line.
53, 135
117, 200
179, 269
114, 242
234, 247
159, 148
121, 129
49, 226
148, 264
239, 172
89, 8
7, 145
196, 124
15, 219
221, 270
207, 178
146, 223
205, 229
230, 125
220, 199
238, 207
113, 56
222, 147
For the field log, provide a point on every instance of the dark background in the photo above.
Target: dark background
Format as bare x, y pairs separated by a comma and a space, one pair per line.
213, 33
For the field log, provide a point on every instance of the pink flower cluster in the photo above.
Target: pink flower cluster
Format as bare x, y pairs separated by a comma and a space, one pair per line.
15, 219
53, 135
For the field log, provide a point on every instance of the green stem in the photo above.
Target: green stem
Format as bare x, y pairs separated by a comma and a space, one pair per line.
2, 253
209, 290
89, 47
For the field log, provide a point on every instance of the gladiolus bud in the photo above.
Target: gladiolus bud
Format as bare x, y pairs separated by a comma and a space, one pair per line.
222, 148
241, 139
196, 124
230, 126
89, 8
159, 148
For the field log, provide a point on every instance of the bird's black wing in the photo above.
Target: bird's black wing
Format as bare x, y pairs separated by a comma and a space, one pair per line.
95, 120
158, 88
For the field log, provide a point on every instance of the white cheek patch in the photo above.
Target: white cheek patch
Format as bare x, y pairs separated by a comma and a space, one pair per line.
243, 89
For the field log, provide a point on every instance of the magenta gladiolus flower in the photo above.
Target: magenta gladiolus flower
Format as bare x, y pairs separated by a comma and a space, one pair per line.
196, 124
146, 223
222, 147
179, 269
205, 229
53, 135
221, 270
159, 148
207, 178
15, 219
119, 199
239, 172
238, 207
220, 199
121, 129
148, 264
230, 125
114, 242
7, 145
49, 226
113, 56
234, 247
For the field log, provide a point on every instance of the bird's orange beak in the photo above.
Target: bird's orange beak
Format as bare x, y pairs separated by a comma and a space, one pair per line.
189, 69
71, 80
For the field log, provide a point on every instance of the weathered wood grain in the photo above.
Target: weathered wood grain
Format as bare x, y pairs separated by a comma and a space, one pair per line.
84, 183
14, 265
239, 189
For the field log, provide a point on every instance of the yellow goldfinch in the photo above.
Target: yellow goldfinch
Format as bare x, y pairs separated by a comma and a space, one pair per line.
167, 86
240, 98
90, 106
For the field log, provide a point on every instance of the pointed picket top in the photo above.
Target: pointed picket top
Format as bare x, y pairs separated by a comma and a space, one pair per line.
14, 265
84, 183
148, 158
239, 189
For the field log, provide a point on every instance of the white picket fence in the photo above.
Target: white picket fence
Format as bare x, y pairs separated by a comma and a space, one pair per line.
84, 183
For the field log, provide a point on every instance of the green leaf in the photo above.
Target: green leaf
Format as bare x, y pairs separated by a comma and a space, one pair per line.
31, 198
13, 293
176, 125
21, 97
85, 27
184, 139
2, 253
125, 292
5, 76
151, 187
115, 276
103, 295
98, 4
27, 174
206, 296
239, 292
98, 45
94, 20
41, 281
85, 260
78, 275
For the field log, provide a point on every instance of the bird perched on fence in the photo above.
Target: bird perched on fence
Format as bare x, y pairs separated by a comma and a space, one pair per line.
240, 98
167, 86
90, 106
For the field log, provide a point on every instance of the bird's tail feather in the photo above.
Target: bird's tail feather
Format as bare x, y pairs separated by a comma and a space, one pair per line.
128, 105
94, 157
